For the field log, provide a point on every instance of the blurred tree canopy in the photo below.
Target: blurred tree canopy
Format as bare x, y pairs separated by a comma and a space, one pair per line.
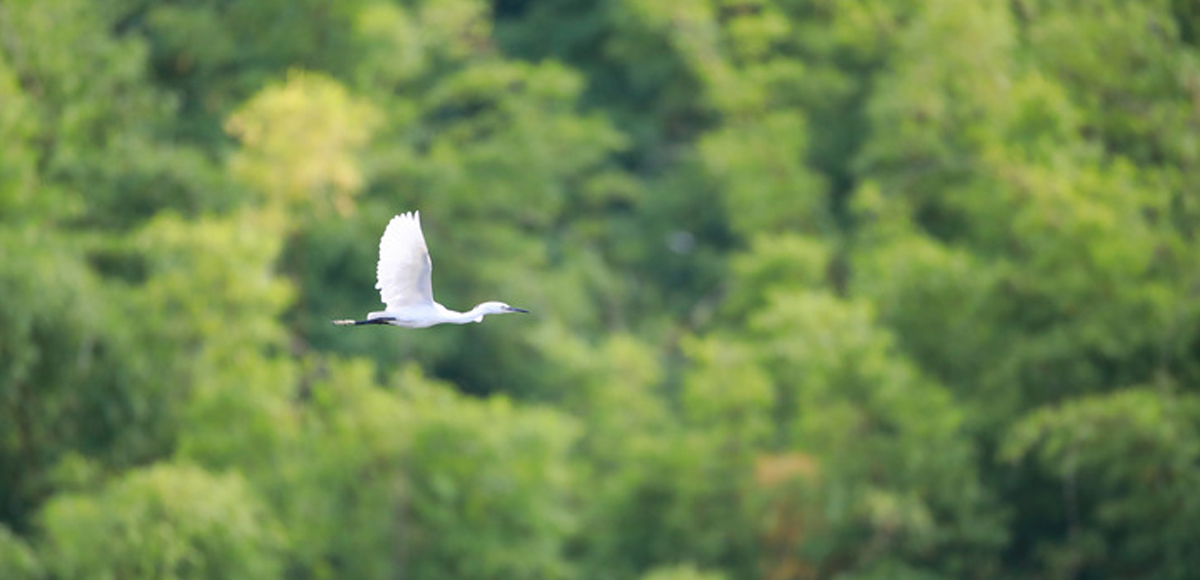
821, 289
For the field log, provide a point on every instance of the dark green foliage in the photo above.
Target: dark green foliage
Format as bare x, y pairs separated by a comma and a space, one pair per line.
1125, 461
73, 379
17, 560
166, 521
820, 289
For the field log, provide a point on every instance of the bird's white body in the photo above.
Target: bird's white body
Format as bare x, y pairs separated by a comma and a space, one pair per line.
422, 316
404, 281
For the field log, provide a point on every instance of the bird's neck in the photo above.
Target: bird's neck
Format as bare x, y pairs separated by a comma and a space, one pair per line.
456, 317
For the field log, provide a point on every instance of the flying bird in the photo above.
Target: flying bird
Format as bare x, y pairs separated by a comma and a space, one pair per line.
404, 282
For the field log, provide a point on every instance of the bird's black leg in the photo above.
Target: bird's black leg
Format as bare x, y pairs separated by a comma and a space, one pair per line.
361, 322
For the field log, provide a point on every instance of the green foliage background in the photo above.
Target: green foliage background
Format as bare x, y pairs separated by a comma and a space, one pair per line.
855, 289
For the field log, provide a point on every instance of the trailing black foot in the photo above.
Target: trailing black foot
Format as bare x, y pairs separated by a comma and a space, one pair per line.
349, 322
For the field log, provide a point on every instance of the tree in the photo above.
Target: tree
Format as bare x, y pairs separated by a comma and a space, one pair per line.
168, 521
104, 153
17, 559
73, 379
1126, 464
299, 144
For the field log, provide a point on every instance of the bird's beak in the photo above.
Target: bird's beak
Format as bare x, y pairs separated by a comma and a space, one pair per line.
514, 309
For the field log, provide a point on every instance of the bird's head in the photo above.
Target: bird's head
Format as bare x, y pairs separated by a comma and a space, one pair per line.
499, 308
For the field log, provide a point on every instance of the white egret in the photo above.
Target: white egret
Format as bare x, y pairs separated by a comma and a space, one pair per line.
404, 282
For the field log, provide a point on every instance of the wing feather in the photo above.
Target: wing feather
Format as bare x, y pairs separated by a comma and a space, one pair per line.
404, 272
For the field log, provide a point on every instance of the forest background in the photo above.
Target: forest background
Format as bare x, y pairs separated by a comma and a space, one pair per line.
856, 289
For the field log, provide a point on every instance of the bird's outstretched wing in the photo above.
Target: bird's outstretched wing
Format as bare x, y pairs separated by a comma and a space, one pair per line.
404, 271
